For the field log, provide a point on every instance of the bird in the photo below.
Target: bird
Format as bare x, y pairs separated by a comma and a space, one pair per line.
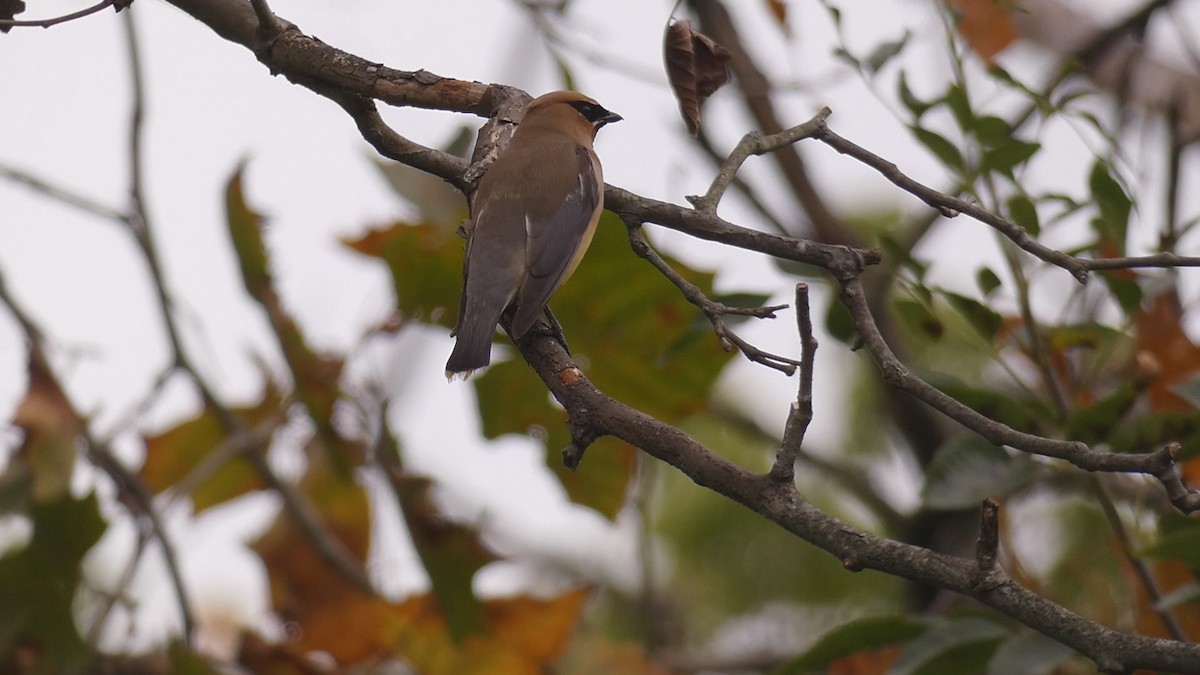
534, 213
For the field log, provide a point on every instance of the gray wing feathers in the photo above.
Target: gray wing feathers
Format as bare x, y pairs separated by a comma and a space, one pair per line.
554, 239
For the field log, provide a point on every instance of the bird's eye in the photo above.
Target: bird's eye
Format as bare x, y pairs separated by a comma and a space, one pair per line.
586, 109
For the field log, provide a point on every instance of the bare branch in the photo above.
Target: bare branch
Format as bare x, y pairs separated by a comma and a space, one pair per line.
714, 310
1140, 568
801, 412
989, 536
755, 143
62, 195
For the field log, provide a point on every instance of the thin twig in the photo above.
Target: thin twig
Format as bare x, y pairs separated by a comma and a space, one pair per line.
134, 491
755, 143
235, 444
46, 23
988, 545
269, 25
62, 195
756, 90
111, 597
1161, 463
328, 547
951, 206
801, 412
704, 142
133, 494
1140, 568
715, 311
142, 230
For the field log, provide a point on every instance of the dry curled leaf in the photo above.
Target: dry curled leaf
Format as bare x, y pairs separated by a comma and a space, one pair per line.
696, 67
9, 9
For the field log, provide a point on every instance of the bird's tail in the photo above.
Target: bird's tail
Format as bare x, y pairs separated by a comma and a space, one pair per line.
473, 344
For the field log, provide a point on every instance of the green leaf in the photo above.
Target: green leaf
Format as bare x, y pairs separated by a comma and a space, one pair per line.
38, 584
315, 376
512, 400
1181, 543
245, 230
841, 54
1114, 206
627, 331
987, 280
1085, 336
451, 554
917, 316
881, 55
839, 324
953, 647
426, 266
915, 105
960, 106
710, 540
1004, 158
1095, 423
985, 320
943, 149
992, 130
1126, 291
1023, 414
564, 70
1022, 211
174, 453
968, 469
1155, 428
1028, 654
850, 638
902, 256
184, 661
835, 13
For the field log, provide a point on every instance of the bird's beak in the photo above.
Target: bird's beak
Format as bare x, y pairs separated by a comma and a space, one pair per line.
608, 118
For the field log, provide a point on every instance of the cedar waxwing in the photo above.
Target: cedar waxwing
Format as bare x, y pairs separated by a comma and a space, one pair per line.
534, 214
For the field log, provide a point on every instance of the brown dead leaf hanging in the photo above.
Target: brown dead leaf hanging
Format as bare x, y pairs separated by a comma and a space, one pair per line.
696, 67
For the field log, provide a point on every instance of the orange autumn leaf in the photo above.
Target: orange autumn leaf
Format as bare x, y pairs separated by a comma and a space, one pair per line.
865, 663
986, 25
1169, 358
1162, 342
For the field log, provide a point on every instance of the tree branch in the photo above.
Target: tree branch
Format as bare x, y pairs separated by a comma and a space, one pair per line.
801, 412
590, 408
715, 311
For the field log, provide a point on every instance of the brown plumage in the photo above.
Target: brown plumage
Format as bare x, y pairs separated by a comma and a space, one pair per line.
534, 214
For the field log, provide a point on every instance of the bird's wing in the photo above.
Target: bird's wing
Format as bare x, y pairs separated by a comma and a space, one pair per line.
556, 234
